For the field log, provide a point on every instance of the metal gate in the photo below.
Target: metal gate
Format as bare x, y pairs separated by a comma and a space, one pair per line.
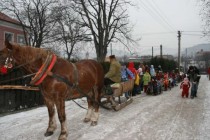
16, 99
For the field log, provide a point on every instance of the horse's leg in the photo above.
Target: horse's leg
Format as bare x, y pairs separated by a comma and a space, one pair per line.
95, 113
60, 105
89, 111
52, 121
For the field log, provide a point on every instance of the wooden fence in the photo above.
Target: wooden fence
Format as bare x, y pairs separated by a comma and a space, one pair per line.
16, 99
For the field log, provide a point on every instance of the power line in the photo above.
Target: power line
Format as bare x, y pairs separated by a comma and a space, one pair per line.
152, 33
194, 34
161, 14
151, 13
154, 15
194, 31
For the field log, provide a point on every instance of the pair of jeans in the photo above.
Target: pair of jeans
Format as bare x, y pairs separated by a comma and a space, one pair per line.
124, 80
194, 89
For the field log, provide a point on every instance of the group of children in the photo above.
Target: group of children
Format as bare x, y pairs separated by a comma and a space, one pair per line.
160, 81
153, 81
147, 79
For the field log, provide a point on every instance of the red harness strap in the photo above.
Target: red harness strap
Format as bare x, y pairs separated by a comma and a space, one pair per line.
52, 63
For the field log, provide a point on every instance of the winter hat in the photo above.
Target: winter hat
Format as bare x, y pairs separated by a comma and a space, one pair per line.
112, 57
185, 80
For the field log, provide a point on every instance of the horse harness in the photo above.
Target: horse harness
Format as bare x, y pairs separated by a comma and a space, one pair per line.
75, 84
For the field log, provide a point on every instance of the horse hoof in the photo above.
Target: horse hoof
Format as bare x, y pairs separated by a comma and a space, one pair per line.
86, 120
48, 133
93, 123
63, 136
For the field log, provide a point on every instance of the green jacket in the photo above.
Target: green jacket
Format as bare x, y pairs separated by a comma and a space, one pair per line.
146, 78
114, 72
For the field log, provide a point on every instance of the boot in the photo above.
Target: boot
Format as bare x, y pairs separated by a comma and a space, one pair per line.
108, 90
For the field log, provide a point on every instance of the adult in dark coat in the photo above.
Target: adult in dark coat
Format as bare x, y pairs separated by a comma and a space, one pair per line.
194, 77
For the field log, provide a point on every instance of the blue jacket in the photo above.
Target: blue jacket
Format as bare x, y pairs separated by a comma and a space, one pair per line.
152, 71
125, 72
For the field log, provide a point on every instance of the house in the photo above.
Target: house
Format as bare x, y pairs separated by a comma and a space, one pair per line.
10, 29
203, 59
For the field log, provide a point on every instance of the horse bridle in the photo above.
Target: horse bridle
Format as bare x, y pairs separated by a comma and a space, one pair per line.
9, 64
9, 60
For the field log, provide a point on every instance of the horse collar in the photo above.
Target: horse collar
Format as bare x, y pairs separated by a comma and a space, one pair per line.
44, 69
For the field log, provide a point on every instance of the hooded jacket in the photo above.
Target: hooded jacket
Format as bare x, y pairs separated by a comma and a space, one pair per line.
132, 69
146, 78
185, 85
114, 72
152, 71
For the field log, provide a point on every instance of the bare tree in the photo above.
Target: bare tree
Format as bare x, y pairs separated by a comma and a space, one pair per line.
107, 21
205, 15
36, 14
68, 32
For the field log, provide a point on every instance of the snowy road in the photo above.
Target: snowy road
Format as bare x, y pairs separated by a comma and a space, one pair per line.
163, 117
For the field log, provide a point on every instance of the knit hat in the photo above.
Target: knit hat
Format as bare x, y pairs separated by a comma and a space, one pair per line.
111, 56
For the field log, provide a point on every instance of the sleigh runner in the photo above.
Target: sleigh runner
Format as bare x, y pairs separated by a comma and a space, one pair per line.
116, 101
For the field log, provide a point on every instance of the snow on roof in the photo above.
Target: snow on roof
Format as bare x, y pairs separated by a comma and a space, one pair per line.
8, 19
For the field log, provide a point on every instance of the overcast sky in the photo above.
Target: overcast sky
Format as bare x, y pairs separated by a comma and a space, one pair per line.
157, 22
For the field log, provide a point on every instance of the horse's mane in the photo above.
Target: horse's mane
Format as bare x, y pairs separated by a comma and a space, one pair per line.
33, 57
29, 52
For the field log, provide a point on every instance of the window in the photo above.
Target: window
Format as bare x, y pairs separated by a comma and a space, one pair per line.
9, 36
21, 39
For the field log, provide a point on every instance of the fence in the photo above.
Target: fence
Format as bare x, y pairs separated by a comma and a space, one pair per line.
16, 99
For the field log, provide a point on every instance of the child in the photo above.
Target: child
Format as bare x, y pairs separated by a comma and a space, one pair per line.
165, 81
185, 86
125, 74
146, 80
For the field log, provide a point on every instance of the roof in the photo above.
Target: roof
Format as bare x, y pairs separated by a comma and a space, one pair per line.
8, 19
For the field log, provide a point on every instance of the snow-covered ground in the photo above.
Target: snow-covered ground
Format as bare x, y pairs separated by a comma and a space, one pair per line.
163, 117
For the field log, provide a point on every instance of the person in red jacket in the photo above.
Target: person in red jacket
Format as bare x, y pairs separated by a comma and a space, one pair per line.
185, 86
133, 70
165, 81
208, 72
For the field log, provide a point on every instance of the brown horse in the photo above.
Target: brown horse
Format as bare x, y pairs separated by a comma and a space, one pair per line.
90, 81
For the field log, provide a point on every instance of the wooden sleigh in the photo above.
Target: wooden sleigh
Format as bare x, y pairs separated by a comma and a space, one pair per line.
117, 101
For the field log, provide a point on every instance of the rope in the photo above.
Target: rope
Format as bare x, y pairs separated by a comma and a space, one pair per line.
78, 104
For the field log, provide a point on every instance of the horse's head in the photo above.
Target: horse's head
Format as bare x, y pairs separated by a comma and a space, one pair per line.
6, 57
27, 57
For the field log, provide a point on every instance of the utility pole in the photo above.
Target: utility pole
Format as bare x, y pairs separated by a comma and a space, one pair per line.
161, 51
185, 61
179, 46
111, 47
152, 52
